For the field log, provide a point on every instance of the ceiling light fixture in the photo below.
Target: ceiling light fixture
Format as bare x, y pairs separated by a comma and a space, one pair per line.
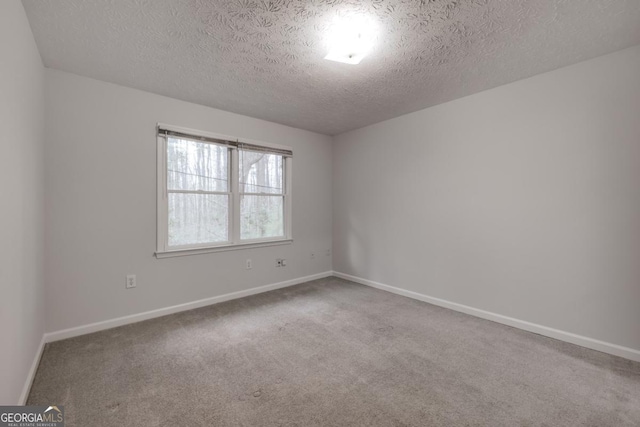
350, 39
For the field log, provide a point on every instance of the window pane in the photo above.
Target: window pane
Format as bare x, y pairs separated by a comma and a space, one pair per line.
198, 218
261, 216
261, 172
197, 166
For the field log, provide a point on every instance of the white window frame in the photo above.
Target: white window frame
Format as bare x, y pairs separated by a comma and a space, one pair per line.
163, 250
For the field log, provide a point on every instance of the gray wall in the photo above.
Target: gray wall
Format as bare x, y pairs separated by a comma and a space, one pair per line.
101, 204
21, 187
522, 200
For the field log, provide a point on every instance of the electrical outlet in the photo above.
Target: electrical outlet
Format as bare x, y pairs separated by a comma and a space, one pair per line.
283, 262
248, 265
131, 281
313, 255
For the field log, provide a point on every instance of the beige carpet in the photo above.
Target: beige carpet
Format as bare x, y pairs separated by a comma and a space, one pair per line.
332, 353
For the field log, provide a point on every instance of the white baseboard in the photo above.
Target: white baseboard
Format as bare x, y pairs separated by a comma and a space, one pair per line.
32, 373
125, 320
605, 347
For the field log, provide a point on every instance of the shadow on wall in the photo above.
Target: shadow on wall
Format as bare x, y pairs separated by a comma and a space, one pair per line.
356, 248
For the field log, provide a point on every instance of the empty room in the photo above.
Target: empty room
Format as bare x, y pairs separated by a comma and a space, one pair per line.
320, 213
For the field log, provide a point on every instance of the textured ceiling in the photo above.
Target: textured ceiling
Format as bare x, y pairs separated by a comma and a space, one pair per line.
264, 58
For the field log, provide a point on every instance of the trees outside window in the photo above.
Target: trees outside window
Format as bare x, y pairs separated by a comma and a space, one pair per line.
214, 192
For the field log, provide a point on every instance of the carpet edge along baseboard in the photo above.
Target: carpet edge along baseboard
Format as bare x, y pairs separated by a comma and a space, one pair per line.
590, 343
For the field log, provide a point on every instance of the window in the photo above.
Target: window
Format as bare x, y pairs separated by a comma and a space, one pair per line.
215, 193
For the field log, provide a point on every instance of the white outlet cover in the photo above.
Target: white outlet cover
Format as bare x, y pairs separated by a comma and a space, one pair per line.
131, 281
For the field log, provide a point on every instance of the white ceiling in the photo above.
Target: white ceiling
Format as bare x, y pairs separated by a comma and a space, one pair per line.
264, 58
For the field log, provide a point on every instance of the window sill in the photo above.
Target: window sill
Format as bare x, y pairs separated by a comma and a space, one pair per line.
198, 251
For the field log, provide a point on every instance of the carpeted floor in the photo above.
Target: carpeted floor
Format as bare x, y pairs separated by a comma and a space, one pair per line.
332, 353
